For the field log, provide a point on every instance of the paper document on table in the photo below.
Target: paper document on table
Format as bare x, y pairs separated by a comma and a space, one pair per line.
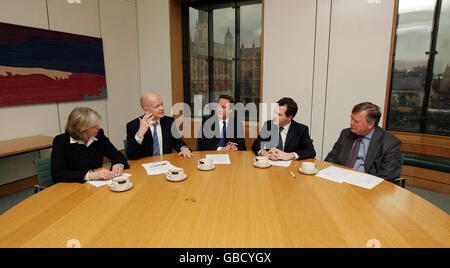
280, 163
341, 175
103, 183
219, 159
158, 168
333, 174
363, 180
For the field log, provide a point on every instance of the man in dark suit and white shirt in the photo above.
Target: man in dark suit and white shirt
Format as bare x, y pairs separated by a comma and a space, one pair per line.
283, 138
222, 131
367, 147
154, 133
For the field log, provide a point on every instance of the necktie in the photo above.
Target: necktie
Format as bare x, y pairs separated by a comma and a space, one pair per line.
280, 140
353, 153
222, 141
156, 149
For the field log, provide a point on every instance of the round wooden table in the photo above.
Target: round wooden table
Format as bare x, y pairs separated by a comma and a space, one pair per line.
232, 206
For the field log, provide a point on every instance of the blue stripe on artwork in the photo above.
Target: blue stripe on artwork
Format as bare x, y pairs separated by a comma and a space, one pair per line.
75, 57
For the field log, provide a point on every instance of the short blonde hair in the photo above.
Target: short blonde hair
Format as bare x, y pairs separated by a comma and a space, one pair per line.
80, 120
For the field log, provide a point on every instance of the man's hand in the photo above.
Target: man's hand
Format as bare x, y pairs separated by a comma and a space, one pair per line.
277, 155
231, 147
185, 152
144, 124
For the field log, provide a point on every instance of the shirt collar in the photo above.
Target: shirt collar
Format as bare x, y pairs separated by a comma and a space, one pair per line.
370, 134
286, 127
90, 141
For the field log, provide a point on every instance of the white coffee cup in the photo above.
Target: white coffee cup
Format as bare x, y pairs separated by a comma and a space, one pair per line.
309, 167
261, 161
176, 174
205, 163
120, 183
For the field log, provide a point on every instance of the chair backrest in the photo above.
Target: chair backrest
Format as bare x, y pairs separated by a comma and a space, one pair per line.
43, 169
125, 149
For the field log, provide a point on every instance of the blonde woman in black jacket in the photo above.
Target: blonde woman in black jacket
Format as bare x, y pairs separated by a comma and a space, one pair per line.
81, 149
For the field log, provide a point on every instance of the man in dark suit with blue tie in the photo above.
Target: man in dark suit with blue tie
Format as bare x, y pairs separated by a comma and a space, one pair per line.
154, 133
222, 131
283, 138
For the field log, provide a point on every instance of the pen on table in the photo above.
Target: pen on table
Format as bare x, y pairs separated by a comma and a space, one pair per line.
159, 165
292, 173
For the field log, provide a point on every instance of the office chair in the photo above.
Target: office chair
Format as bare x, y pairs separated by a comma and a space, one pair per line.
43, 169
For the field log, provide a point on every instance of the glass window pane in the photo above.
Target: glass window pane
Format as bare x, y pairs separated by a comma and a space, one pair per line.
224, 53
250, 51
439, 104
199, 79
415, 23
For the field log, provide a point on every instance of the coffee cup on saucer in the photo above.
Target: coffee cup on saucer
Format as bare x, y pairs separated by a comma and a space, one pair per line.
205, 164
261, 161
121, 183
308, 168
176, 174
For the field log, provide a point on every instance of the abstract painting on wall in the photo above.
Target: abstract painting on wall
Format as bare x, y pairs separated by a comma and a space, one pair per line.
42, 66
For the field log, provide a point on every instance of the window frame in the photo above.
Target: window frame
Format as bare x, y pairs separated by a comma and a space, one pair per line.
211, 5
429, 73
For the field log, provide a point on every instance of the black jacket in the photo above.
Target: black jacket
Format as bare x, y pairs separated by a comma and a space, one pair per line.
383, 156
71, 162
211, 126
297, 140
136, 150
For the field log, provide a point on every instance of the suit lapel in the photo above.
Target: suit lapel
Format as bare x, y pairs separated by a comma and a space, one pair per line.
291, 135
373, 148
347, 146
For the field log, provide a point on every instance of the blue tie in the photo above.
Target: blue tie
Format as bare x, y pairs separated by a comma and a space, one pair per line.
156, 149
222, 141
280, 141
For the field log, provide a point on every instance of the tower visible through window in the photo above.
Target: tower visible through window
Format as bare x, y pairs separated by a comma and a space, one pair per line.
222, 52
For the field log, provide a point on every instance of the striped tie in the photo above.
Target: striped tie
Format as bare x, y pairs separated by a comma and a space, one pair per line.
156, 149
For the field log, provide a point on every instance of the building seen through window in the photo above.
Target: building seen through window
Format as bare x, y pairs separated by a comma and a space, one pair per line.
217, 61
420, 94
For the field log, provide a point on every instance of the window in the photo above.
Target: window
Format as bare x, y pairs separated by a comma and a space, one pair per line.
222, 52
420, 94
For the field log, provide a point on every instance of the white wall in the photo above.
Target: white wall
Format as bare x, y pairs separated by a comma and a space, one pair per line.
154, 49
112, 20
360, 38
329, 56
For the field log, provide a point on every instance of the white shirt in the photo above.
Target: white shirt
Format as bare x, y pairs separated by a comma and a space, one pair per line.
158, 132
90, 141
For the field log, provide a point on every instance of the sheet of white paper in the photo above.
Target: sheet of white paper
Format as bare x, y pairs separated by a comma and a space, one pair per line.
102, 183
280, 163
363, 180
219, 159
341, 175
157, 168
332, 174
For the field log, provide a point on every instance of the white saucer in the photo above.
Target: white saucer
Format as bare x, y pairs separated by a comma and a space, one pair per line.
268, 166
313, 173
175, 180
206, 169
121, 190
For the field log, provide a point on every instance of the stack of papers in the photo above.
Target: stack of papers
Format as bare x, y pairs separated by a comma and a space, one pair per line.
219, 159
158, 168
341, 175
